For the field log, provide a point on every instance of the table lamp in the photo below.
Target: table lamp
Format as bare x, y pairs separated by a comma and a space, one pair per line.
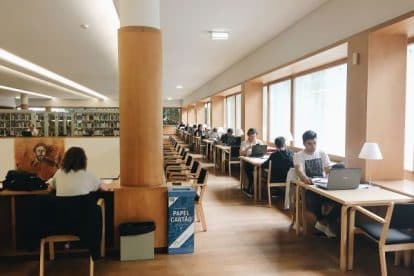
239, 132
370, 151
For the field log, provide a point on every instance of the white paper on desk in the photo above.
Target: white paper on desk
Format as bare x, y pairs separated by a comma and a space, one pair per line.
365, 186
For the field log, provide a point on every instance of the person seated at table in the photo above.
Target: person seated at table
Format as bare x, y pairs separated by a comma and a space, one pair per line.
310, 163
282, 161
214, 134
73, 179
246, 150
199, 132
181, 125
224, 137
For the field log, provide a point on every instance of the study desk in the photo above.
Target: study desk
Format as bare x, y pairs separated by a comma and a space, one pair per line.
12, 195
372, 196
404, 187
197, 142
257, 163
221, 151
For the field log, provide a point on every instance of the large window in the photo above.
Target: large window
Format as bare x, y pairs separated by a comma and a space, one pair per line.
207, 114
409, 112
320, 105
233, 111
279, 109
264, 112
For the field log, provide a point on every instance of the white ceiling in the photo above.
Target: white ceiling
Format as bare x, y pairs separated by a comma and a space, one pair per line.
48, 33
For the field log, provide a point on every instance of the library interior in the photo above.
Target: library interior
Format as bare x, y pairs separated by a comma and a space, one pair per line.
208, 137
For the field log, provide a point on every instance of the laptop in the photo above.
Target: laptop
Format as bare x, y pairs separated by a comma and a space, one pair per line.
340, 179
259, 150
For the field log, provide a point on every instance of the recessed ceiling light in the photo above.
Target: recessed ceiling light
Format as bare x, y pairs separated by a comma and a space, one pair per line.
20, 62
84, 26
25, 92
219, 35
179, 86
169, 98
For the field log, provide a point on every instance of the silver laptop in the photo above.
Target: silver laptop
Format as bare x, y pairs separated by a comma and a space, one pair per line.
340, 179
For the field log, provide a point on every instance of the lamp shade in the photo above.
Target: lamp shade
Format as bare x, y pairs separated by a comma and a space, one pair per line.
370, 151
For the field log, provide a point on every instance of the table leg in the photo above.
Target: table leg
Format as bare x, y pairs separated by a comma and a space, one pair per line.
303, 211
259, 181
241, 175
344, 238
223, 162
13, 222
297, 209
255, 183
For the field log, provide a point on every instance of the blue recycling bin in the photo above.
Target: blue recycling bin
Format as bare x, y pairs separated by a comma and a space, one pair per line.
180, 220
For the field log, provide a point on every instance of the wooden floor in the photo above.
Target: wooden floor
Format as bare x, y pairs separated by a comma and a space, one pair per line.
242, 239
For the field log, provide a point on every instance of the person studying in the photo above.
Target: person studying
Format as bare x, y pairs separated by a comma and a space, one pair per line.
246, 150
282, 161
313, 163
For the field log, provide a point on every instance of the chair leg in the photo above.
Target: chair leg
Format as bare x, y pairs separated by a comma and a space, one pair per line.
269, 195
202, 218
51, 251
197, 212
42, 258
383, 262
91, 266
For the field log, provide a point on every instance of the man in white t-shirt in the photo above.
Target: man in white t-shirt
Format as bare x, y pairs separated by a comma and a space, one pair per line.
310, 163
246, 150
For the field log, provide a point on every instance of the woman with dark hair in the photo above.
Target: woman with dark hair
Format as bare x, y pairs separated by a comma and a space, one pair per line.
73, 179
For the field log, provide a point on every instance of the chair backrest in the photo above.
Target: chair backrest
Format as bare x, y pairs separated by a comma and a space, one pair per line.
184, 155
402, 216
71, 213
234, 151
202, 177
189, 160
194, 167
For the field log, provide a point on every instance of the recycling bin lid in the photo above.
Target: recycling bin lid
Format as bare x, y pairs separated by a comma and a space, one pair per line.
136, 228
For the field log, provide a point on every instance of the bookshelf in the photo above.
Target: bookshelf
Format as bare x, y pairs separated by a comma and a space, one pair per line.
73, 122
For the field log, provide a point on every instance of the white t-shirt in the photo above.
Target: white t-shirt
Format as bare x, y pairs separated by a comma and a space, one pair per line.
312, 164
246, 145
74, 183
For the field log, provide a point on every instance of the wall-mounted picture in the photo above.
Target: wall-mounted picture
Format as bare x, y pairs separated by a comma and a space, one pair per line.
171, 115
42, 156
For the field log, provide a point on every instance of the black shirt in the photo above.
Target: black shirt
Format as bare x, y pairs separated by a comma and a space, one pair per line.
282, 162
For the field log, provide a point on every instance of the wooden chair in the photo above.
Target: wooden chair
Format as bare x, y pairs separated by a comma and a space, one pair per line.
71, 238
179, 167
389, 232
234, 157
200, 186
186, 175
270, 184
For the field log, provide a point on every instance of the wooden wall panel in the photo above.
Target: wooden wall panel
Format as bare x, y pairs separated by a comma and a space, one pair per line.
376, 102
386, 102
200, 113
217, 111
252, 106
191, 115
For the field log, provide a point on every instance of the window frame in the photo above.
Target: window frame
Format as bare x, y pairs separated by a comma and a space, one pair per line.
234, 95
292, 78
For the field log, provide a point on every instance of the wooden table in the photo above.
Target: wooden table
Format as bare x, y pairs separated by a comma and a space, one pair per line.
197, 142
221, 151
257, 163
106, 186
404, 187
372, 196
